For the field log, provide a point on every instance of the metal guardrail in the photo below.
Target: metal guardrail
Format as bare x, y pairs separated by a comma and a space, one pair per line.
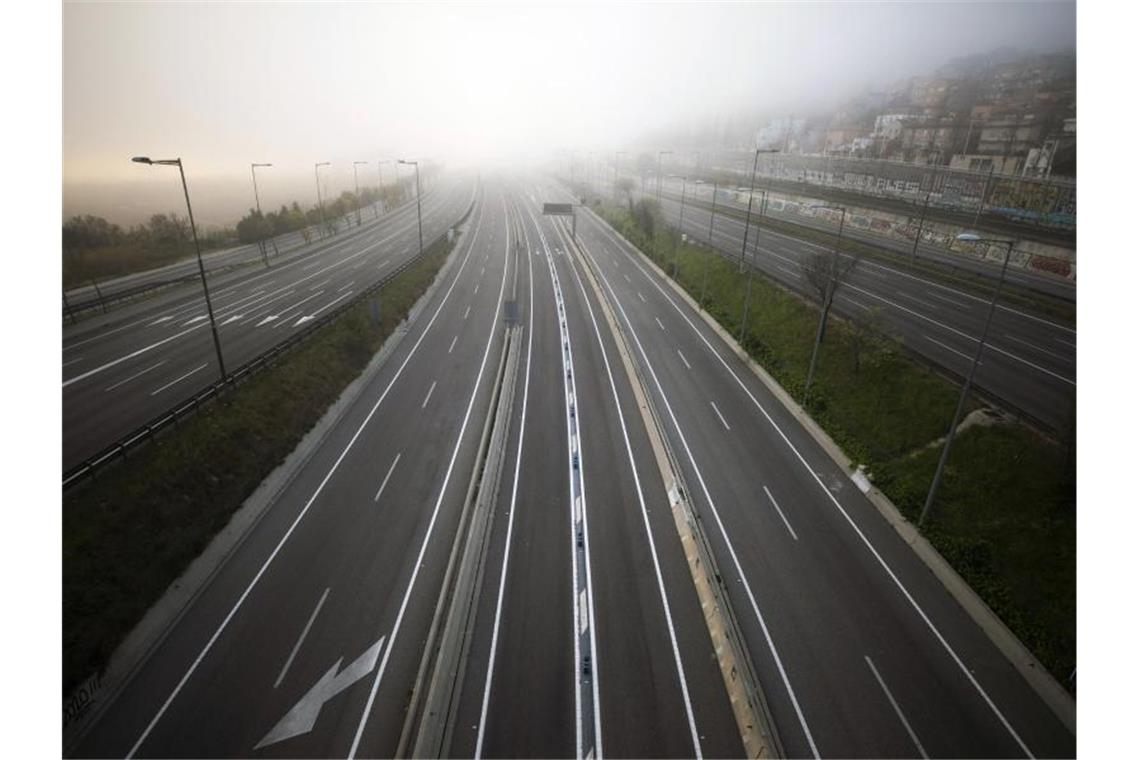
188, 406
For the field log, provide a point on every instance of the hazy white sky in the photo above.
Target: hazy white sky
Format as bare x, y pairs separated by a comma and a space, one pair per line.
224, 84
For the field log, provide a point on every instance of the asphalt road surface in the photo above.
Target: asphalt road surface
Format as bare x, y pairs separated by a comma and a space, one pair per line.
123, 369
307, 639
1029, 362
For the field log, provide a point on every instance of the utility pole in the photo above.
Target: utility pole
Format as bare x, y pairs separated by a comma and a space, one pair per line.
973, 238
660, 153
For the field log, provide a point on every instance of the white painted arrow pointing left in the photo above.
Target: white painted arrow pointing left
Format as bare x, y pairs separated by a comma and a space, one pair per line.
303, 716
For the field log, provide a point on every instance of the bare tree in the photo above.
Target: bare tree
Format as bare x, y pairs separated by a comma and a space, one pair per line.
625, 188
825, 272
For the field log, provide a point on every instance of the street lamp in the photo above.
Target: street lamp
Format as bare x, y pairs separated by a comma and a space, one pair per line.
419, 217
257, 200
751, 192
681, 221
660, 153
967, 237
356, 184
320, 203
829, 293
197, 249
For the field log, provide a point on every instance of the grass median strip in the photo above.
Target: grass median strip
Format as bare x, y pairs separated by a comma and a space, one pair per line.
130, 533
1006, 511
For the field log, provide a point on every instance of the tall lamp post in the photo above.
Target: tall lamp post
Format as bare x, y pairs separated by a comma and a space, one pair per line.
419, 217
257, 200
680, 222
197, 250
829, 295
660, 153
356, 184
751, 192
320, 203
967, 237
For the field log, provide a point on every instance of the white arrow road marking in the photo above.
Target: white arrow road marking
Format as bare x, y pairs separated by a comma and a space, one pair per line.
160, 320
307, 317
303, 320
303, 716
270, 318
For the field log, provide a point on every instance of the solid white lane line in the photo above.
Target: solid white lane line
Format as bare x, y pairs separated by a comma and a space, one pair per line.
510, 513
951, 350
72, 361
719, 415
391, 469
449, 348
1036, 347
835, 502
716, 516
301, 638
131, 355
785, 269
428, 396
346, 287
300, 515
953, 301
683, 359
177, 380
658, 321
684, 684
1065, 342
895, 705
854, 302
780, 512
904, 294
956, 331
419, 563
132, 377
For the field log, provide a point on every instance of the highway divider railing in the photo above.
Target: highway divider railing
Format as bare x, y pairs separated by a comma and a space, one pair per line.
103, 299
145, 433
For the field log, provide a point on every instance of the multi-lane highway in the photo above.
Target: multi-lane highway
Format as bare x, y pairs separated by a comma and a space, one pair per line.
861, 651
1029, 363
122, 370
588, 637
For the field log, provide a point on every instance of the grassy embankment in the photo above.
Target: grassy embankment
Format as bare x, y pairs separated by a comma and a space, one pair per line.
131, 532
1019, 296
1005, 517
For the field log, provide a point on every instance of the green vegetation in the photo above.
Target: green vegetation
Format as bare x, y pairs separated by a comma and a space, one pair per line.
128, 534
1005, 516
93, 248
1013, 294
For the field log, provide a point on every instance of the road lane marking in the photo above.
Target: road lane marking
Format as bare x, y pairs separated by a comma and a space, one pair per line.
476, 291
683, 682
641, 297
659, 323
780, 512
904, 294
301, 638
178, 380
721, 416
449, 348
966, 672
467, 312
853, 302
346, 287
391, 469
1065, 342
686, 361
894, 704
428, 396
72, 361
419, 563
953, 301
951, 350
510, 514
785, 269
716, 516
626, 276
297, 520
1036, 347
132, 377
